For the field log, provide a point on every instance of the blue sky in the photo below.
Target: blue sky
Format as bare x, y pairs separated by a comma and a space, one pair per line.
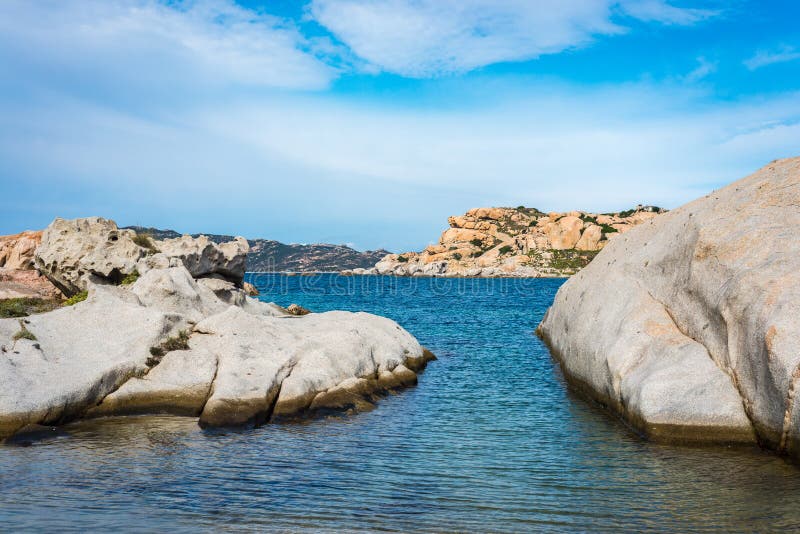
369, 122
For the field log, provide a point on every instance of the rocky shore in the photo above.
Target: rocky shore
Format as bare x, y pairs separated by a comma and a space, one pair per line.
687, 326
166, 326
514, 242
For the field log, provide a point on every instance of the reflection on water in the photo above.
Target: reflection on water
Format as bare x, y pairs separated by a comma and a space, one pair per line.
490, 440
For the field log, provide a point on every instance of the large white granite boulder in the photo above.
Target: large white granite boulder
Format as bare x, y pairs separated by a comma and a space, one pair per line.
73, 250
687, 325
171, 344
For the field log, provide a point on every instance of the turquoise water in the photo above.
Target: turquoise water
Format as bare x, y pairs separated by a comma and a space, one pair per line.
490, 440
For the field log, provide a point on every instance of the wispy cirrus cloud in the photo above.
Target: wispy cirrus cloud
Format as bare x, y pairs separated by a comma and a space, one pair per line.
151, 43
423, 38
762, 58
664, 13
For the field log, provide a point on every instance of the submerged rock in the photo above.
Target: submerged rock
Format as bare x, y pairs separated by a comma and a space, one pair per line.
687, 325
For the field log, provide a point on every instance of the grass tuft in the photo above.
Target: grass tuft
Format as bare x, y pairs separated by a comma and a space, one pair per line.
145, 240
130, 278
23, 333
76, 298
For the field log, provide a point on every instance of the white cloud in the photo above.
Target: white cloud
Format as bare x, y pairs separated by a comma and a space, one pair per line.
196, 43
770, 57
703, 69
421, 38
664, 13
312, 169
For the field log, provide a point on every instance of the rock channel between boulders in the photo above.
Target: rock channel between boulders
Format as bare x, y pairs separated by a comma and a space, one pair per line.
182, 337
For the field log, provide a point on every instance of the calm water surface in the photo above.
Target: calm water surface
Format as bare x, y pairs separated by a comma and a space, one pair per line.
490, 440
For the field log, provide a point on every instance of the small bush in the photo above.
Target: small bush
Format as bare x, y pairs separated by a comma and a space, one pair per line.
23, 333
145, 240
505, 249
131, 278
476, 242
589, 219
520, 208
608, 229
456, 256
179, 342
22, 307
626, 213
76, 298
402, 259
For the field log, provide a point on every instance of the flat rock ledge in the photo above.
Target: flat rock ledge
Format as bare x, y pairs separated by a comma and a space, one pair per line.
687, 326
170, 343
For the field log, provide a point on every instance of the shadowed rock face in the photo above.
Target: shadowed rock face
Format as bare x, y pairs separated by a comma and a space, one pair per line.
687, 325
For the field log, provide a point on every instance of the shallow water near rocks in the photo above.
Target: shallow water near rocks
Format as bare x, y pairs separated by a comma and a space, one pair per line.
490, 440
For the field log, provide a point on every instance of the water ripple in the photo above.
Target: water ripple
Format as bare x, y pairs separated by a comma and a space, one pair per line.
489, 441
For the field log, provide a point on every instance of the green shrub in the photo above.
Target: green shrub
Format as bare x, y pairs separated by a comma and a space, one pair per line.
505, 249
76, 298
456, 256
608, 229
520, 208
179, 342
589, 219
402, 259
571, 259
131, 278
476, 242
22, 307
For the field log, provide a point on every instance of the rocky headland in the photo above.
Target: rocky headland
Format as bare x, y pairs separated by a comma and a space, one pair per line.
267, 255
514, 242
165, 326
687, 326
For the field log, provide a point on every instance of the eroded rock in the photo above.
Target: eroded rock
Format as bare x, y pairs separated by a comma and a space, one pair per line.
173, 343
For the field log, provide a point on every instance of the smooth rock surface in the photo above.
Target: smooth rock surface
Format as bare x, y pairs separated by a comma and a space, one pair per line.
687, 325
118, 353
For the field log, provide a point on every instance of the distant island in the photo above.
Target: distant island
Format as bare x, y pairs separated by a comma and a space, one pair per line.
267, 255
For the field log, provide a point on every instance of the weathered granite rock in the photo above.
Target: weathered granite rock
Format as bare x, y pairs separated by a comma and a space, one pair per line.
202, 257
73, 251
18, 277
80, 354
687, 325
169, 343
16, 251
